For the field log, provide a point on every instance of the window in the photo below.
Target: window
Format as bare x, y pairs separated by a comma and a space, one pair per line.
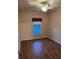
37, 26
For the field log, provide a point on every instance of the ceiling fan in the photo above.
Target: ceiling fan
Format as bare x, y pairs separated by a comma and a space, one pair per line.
44, 5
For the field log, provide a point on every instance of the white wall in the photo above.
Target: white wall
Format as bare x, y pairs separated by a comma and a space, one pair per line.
51, 24
26, 24
55, 25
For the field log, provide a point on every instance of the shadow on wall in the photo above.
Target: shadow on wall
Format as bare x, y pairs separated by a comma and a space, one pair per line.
57, 34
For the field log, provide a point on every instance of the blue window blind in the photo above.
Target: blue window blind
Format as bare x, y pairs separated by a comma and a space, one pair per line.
37, 27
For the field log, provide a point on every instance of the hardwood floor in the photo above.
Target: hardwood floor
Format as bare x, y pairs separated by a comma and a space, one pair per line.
40, 49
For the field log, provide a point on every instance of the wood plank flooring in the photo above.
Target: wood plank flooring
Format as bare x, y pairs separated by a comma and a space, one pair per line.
40, 49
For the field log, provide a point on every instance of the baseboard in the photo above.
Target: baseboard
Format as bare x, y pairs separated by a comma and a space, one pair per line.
44, 37
55, 40
34, 38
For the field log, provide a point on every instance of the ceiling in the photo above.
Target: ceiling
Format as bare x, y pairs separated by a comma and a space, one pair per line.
37, 4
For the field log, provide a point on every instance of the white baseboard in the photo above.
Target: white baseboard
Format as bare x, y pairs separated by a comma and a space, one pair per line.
34, 38
42, 37
55, 40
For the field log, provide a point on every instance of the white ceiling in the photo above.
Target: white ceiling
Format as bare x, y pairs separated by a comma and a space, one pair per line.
36, 4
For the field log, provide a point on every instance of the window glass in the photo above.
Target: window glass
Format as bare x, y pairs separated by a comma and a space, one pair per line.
37, 27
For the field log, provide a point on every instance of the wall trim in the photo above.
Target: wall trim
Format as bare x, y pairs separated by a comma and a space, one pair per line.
34, 38
43, 38
55, 40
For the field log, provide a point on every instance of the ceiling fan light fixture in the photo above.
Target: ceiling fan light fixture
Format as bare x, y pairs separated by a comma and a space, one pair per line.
44, 8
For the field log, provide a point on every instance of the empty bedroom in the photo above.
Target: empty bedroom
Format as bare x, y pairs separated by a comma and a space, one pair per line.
39, 29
